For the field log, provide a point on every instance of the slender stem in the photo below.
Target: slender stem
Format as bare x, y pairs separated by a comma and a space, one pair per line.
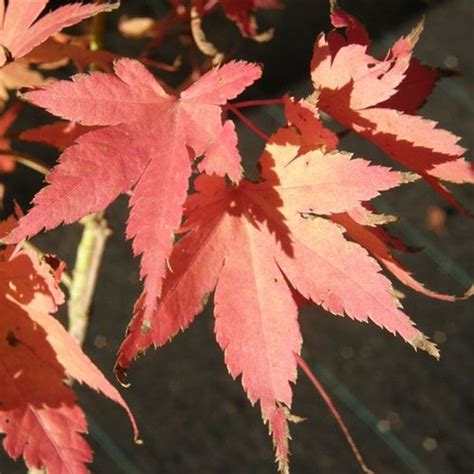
255, 103
27, 160
84, 276
247, 122
159, 64
335, 413
98, 31
92, 245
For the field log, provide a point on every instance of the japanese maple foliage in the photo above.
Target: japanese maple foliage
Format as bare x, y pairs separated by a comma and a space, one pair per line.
39, 414
134, 149
21, 29
378, 99
255, 245
305, 232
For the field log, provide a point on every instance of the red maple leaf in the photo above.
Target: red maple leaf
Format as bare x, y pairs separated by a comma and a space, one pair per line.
21, 29
378, 99
38, 412
148, 143
258, 246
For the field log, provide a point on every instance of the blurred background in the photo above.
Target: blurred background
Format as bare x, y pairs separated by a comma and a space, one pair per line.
407, 412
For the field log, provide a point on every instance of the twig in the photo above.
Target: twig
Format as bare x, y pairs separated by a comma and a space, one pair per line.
84, 276
327, 399
27, 160
247, 122
255, 103
98, 31
92, 245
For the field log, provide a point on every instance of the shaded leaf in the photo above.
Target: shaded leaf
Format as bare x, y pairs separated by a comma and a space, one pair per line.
39, 414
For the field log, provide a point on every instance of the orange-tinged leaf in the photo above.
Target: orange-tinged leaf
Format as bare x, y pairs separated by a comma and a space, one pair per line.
38, 413
22, 28
257, 244
256, 347
378, 99
313, 134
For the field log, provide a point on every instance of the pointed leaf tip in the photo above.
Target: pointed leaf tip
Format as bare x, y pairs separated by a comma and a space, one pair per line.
423, 343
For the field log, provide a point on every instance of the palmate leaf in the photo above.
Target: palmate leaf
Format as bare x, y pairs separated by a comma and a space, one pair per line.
255, 245
147, 143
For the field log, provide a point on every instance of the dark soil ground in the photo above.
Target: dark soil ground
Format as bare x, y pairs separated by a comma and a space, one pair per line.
407, 412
